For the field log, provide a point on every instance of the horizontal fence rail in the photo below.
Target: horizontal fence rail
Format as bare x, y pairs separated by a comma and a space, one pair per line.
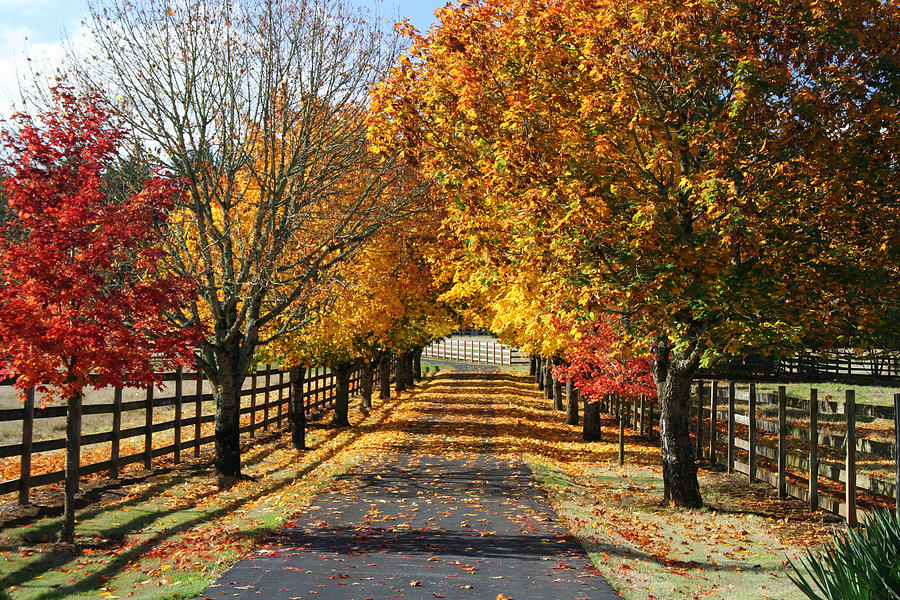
868, 367
475, 351
809, 449
265, 402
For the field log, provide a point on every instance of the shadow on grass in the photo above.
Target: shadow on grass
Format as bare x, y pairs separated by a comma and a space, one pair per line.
97, 580
92, 498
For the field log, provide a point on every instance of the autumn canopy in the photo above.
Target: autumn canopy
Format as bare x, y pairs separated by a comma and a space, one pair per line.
630, 190
718, 178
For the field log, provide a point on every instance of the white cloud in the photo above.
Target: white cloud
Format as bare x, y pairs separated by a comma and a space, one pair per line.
24, 62
31, 41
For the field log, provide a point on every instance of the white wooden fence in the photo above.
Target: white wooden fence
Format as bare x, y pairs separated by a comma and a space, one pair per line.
475, 351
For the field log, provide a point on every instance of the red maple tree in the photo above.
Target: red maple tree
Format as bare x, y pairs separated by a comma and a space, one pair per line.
598, 367
82, 298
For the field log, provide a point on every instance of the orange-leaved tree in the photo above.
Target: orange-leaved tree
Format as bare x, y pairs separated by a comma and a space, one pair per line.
257, 106
384, 301
704, 169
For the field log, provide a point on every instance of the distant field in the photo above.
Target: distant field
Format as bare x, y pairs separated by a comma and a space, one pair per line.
45, 429
835, 392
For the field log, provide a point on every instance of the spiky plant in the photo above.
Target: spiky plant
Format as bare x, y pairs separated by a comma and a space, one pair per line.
862, 564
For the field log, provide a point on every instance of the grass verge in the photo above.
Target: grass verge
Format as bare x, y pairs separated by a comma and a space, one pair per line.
736, 547
173, 533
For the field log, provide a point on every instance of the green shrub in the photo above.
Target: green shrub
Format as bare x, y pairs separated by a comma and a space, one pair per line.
863, 564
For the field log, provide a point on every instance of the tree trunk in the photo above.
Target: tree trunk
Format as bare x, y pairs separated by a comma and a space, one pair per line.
384, 375
571, 402
591, 428
410, 368
673, 384
548, 380
228, 439
532, 366
417, 363
73, 460
400, 373
557, 390
539, 372
342, 373
366, 373
298, 409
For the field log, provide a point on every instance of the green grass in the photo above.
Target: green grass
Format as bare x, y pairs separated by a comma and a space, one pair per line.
647, 550
173, 533
836, 392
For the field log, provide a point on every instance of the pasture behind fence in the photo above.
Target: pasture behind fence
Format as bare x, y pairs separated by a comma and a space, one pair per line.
264, 403
859, 368
809, 449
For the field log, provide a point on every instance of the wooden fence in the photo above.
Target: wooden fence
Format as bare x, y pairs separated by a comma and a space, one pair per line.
767, 436
870, 367
264, 403
478, 351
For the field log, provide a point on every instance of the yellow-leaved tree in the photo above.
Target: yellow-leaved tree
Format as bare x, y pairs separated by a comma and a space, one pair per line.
256, 107
716, 176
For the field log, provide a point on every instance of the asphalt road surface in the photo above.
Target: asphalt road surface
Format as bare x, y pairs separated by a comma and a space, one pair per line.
467, 525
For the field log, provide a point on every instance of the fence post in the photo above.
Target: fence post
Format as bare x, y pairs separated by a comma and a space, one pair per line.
266, 405
27, 441
643, 415
198, 413
782, 441
713, 434
252, 405
309, 382
116, 434
621, 415
332, 386
280, 395
730, 459
850, 413
179, 377
148, 429
699, 419
813, 449
297, 406
897, 454
751, 437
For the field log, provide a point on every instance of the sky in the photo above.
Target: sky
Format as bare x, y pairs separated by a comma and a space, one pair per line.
34, 29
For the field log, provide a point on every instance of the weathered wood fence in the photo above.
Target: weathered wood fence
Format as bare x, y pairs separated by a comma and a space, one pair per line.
478, 351
865, 368
780, 441
264, 403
